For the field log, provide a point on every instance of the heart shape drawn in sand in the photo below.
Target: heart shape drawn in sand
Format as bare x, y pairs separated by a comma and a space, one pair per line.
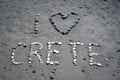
59, 19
